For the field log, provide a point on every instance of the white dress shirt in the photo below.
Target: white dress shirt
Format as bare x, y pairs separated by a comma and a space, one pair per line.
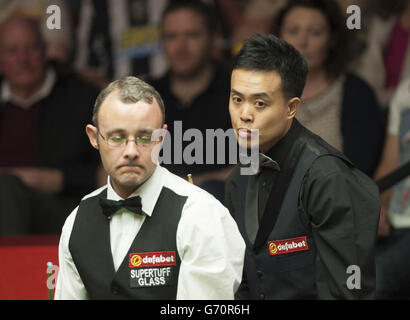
208, 241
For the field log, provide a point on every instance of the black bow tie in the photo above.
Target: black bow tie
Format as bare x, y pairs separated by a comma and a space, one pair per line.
111, 206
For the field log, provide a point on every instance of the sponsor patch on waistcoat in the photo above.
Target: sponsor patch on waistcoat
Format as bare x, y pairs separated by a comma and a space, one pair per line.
284, 246
152, 269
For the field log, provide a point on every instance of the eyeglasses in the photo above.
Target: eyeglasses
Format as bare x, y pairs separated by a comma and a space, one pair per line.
118, 141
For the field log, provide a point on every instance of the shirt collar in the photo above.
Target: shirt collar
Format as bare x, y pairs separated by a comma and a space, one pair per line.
266, 161
44, 91
149, 191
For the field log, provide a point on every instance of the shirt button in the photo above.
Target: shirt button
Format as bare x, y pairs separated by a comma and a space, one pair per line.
264, 184
259, 274
262, 296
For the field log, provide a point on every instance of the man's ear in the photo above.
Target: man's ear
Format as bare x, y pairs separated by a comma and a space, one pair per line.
164, 132
92, 135
293, 105
159, 136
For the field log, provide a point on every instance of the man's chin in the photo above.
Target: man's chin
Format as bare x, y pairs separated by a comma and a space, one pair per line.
129, 180
186, 71
247, 144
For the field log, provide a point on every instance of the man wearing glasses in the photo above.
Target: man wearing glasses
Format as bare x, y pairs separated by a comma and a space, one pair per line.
147, 234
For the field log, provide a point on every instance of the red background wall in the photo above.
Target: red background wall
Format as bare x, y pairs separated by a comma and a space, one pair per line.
23, 266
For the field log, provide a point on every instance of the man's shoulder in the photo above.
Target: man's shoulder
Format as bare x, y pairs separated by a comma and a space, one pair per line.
329, 164
331, 170
94, 193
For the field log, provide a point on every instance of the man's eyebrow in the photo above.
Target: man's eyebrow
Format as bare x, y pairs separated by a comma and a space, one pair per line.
122, 131
145, 131
233, 91
262, 95
112, 131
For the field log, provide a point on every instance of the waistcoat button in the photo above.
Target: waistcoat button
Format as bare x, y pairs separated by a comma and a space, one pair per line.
115, 290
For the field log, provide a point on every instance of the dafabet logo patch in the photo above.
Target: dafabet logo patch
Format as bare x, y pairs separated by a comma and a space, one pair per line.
284, 246
152, 259
152, 269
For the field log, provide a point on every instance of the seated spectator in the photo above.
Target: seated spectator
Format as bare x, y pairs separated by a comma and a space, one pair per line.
336, 105
58, 41
46, 163
392, 255
196, 88
386, 60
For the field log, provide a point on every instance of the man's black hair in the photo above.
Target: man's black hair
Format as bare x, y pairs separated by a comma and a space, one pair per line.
266, 52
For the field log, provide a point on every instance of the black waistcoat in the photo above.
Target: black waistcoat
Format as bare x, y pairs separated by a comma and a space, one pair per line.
151, 267
281, 262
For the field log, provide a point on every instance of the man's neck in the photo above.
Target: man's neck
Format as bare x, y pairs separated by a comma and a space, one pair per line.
266, 149
122, 191
186, 89
125, 191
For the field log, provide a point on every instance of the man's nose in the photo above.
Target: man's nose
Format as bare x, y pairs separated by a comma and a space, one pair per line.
22, 55
246, 113
131, 150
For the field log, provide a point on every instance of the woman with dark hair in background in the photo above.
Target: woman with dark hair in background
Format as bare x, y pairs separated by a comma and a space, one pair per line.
336, 105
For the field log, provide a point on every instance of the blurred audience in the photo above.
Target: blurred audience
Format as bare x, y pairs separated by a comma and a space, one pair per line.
58, 41
336, 105
123, 37
196, 88
46, 162
386, 60
115, 38
393, 253
247, 17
